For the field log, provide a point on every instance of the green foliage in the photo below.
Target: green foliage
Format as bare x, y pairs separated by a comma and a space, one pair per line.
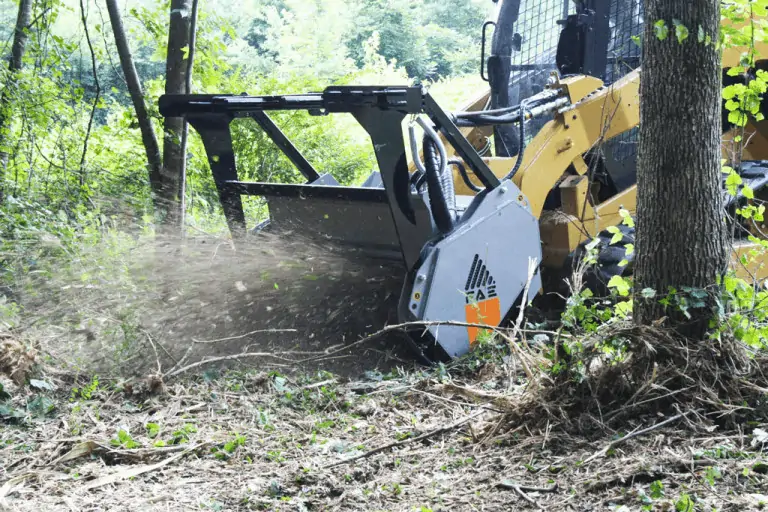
124, 440
685, 504
661, 29
86, 392
743, 100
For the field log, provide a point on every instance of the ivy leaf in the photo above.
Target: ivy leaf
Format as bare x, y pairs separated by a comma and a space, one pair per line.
630, 249
662, 31
648, 293
681, 31
623, 263
748, 192
626, 217
737, 118
702, 35
620, 284
732, 182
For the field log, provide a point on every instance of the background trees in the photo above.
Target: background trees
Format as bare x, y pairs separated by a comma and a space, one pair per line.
262, 47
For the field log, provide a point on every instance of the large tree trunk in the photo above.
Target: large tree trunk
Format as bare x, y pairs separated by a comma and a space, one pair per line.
174, 154
148, 137
681, 235
6, 99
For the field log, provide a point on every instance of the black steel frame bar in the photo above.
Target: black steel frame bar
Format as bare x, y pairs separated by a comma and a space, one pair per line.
285, 145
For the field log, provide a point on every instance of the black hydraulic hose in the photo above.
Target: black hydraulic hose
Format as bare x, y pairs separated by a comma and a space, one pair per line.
464, 176
521, 153
437, 202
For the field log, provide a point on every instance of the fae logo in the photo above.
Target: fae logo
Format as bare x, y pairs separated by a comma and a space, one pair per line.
483, 305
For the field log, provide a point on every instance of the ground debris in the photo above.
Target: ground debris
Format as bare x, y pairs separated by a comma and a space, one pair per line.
255, 441
16, 361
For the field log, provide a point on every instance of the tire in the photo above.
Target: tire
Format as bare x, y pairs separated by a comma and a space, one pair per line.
609, 256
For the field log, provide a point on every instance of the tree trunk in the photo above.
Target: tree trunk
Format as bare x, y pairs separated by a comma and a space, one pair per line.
188, 90
681, 234
174, 154
15, 63
148, 136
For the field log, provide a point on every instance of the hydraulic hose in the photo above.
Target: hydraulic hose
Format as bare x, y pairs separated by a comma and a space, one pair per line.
464, 176
440, 188
437, 200
418, 177
521, 153
446, 178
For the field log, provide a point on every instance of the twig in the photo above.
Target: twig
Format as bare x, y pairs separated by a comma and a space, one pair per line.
617, 442
508, 484
520, 489
527, 498
95, 99
157, 355
455, 402
234, 357
404, 327
519, 322
408, 441
241, 336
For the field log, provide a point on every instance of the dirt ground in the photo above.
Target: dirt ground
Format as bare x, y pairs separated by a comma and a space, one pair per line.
251, 439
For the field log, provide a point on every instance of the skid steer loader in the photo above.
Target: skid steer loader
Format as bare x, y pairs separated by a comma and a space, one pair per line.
472, 232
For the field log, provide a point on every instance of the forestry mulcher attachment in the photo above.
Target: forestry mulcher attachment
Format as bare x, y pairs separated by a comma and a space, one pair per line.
472, 232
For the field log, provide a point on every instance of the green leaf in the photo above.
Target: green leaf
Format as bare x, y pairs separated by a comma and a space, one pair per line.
657, 489
748, 192
618, 237
684, 504
41, 406
620, 284
702, 35
732, 182
152, 430
630, 249
737, 118
681, 31
661, 29
623, 263
648, 293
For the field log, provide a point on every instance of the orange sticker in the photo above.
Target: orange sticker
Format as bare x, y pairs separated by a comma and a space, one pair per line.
487, 312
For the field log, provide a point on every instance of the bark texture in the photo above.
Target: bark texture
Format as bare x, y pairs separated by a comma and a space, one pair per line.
15, 64
148, 136
681, 235
174, 154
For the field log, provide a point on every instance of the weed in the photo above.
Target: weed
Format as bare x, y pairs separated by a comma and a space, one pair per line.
86, 392
275, 456
124, 440
153, 429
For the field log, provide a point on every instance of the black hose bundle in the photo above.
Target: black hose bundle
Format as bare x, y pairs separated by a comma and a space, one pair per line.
437, 200
521, 153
